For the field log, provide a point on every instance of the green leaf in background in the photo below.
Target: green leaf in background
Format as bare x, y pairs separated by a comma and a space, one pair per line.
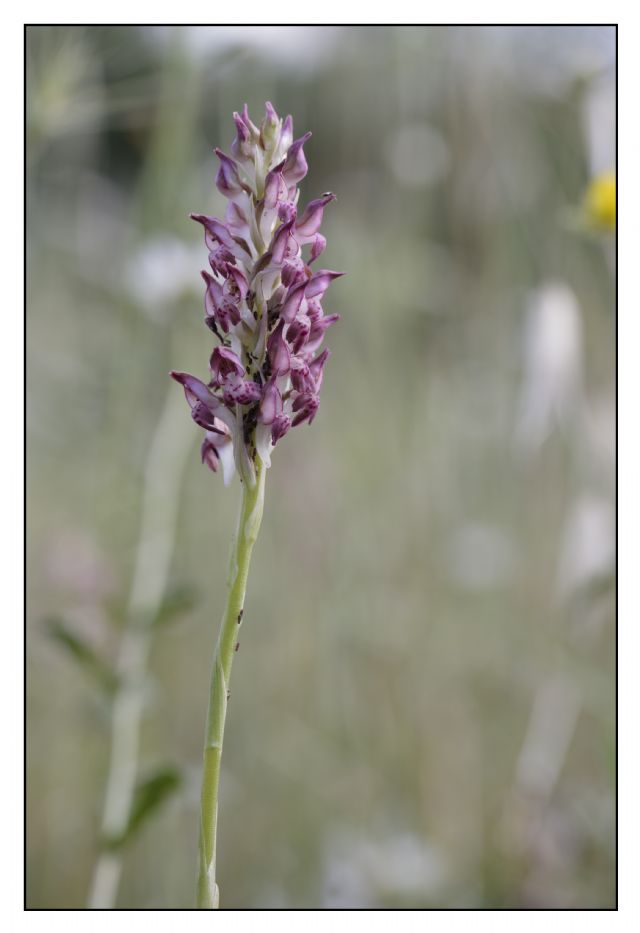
79, 649
179, 600
600, 585
151, 792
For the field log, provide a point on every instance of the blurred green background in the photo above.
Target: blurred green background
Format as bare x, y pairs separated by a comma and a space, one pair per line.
423, 706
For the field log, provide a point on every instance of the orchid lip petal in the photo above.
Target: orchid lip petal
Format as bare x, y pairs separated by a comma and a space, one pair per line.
306, 407
209, 454
297, 332
224, 363
239, 279
241, 392
280, 426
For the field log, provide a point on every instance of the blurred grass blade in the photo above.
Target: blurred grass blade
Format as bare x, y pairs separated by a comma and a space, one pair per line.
81, 652
149, 796
180, 600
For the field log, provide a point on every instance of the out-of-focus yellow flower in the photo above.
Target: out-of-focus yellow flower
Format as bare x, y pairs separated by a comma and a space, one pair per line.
599, 204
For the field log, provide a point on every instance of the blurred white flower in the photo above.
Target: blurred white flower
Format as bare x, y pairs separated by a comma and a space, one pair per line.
588, 545
358, 871
599, 119
299, 47
548, 61
552, 723
159, 272
552, 389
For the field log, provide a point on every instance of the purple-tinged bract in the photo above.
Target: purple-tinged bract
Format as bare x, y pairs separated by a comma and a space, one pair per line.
262, 300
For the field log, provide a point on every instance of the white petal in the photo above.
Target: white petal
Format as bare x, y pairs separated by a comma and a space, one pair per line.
225, 454
263, 443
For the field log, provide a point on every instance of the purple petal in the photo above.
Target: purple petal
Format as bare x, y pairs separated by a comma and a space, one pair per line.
275, 188
314, 310
241, 391
253, 129
309, 223
236, 219
323, 323
216, 230
300, 376
219, 256
280, 426
224, 363
298, 332
293, 272
271, 405
279, 353
286, 211
213, 296
239, 279
292, 302
317, 333
320, 282
306, 406
281, 244
203, 416
195, 390
209, 454
295, 167
216, 444
318, 245
241, 146
316, 368
227, 180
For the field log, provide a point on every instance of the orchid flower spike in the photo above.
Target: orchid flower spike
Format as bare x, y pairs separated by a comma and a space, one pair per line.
262, 300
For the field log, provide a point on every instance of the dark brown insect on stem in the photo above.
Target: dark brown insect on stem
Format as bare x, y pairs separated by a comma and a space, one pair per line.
240, 614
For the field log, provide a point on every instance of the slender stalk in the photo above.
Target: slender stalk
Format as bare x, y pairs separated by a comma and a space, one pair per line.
163, 476
246, 534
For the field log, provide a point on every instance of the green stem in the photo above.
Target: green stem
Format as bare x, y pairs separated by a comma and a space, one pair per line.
164, 472
246, 534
